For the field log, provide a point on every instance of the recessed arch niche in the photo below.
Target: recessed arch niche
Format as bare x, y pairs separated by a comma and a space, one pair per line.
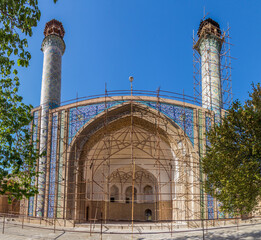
129, 146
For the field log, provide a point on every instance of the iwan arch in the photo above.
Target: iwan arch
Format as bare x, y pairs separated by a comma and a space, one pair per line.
131, 157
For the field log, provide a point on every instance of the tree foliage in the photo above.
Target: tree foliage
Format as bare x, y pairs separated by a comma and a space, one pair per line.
233, 160
17, 152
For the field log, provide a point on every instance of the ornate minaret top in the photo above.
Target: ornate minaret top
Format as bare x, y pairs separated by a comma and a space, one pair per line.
54, 27
209, 26
54, 33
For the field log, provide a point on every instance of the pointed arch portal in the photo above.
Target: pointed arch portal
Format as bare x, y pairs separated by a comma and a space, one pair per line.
130, 159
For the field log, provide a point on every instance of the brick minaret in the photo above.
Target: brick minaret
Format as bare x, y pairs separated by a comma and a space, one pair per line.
53, 48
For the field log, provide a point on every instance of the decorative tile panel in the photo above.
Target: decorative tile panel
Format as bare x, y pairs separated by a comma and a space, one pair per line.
200, 142
208, 127
81, 115
182, 116
220, 214
60, 166
52, 175
210, 204
35, 136
209, 198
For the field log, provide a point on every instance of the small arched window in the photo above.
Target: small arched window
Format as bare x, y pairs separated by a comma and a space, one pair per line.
114, 193
128, 194
148, 194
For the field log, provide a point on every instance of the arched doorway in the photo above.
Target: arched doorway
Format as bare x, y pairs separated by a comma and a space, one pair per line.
148, 215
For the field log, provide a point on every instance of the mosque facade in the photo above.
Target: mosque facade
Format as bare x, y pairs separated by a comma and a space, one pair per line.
125, 156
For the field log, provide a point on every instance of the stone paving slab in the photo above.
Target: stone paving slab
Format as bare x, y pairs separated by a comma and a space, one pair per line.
15, 231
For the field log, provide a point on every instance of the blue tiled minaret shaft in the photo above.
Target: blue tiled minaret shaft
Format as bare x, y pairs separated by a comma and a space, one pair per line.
209, 46
53, 48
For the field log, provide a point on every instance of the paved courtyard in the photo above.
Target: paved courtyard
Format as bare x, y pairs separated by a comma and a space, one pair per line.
14, 230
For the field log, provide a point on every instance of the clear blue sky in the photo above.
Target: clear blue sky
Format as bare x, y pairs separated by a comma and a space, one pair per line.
109, 40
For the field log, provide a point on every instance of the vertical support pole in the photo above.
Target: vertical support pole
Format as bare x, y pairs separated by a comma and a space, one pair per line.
171, 198
201, 150
158, 157
3, 229
65, 167
187, 165
133, 195
107, 160
101, 225
133, 164
104, 193
75, 173
61, 162
132, 159
92, 167
23, 222
47, 163
76, 167
54, 224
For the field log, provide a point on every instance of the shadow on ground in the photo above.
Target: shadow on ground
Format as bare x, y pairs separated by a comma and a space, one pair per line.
229, 235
